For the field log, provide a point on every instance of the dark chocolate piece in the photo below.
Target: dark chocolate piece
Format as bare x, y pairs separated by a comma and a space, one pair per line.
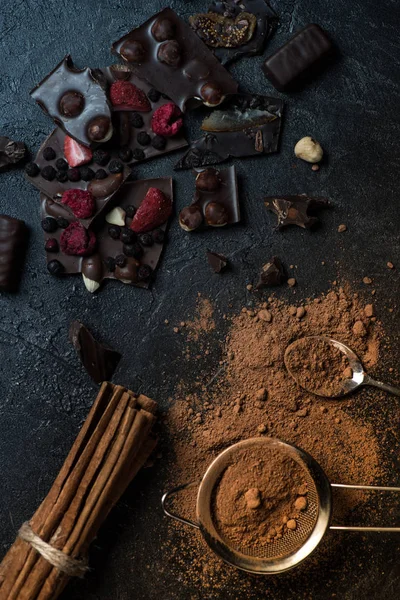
126, 127
54, 189
217, 206
265, 18
222, 31
303, 52
272, 274
99, 360
168, 53
295, 210
13, 242
217, 262
95, 267
248, 125
76, 101
10, 152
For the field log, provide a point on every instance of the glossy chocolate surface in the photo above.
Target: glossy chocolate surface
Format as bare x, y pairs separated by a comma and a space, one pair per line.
13, 241
305, 50
93, 267
127, 134
75, 101
99, 361
226, 195
182, 81
253, 130
54, 189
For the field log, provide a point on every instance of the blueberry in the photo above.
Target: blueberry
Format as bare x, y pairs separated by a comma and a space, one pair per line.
49, 225
73, 174
62, 164
127, 236
55, 268
101, 157
130, 211
134, 250
110, 264
143, 138
159, 142
153, 95
144, 272
114, 231
61, 176
120, 260
125, 154
115, 166
62, 223
146, 239
158, 236
87, 174
138, 154
51, 245
49, 173
49, 154
100, 174
137, 120
32, 170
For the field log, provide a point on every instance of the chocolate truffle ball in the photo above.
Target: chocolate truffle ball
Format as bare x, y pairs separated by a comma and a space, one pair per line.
133, 51
211, 94
190, 217
99, 129
169, 53
163, 29
71, 104
215, 214
208, 180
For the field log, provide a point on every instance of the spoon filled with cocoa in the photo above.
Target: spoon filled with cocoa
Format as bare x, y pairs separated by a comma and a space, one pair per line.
328, 368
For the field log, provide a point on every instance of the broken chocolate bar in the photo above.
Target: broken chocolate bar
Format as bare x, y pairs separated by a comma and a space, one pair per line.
75, 101
235, 28
296, 210
168, 53
119, 252
148, 134
248, 125
99, 361
13, 242
10, 152
272, 274
97, 174
304, 51
216, 201
217, 262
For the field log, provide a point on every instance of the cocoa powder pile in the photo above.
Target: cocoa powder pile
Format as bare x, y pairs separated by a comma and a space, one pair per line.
259, 497
250, 393
318, 366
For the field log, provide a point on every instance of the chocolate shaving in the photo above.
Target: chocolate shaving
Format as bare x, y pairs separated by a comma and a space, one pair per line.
272, 274
220, 31
10, 152
217, 262
99, 361
296, 210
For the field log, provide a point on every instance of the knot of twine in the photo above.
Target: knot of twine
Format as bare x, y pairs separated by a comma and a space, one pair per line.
68, 565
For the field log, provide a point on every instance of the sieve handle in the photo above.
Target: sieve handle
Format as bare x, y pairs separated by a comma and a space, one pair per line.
172, 493
378, 488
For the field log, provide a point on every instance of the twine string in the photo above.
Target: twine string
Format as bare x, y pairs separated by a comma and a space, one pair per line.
61, 561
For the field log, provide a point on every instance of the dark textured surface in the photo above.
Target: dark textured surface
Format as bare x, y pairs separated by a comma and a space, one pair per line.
353, 110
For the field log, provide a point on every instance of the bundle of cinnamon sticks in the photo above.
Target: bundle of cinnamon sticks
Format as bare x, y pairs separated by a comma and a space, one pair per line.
113, 444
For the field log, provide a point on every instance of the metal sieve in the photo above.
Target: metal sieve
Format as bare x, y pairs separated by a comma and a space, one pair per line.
294, 546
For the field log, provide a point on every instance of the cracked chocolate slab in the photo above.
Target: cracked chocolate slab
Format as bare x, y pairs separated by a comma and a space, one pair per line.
296, 210
10, 152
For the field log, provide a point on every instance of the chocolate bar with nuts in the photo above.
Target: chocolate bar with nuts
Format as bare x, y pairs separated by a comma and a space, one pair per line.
13, 239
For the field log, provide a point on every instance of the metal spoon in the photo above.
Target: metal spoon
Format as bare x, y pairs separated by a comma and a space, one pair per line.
359, 378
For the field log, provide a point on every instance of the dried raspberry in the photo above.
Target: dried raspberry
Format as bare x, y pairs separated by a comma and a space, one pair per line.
127, 96
75, 240
154, 210
80, 202
167, 120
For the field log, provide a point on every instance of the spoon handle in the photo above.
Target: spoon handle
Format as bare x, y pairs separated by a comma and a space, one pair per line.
382, 386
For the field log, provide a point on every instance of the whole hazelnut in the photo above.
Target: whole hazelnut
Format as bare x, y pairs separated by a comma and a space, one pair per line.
121, 72
190, 217
71, 104
100, 129
208, 180
132, 51
215, 214
211, 94
163, 29
169, 53
309, 150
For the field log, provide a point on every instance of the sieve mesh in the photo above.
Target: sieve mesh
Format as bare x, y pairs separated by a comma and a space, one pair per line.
291, 541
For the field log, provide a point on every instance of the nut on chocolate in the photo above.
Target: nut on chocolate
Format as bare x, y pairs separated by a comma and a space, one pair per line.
208, 180
219, 31
190, 218
296, 210
215, 214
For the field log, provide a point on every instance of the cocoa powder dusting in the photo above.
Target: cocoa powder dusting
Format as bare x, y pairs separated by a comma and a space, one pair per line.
251, 394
